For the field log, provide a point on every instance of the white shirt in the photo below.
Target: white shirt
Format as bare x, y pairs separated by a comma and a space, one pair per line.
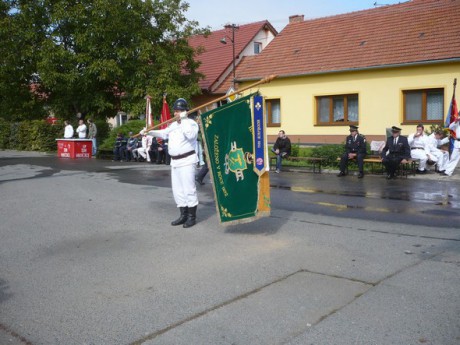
421, 141
68, 132
182, 139
146, 141
435, 143
81, 130
455, 126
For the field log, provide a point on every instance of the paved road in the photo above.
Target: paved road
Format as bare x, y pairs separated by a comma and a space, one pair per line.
87, 256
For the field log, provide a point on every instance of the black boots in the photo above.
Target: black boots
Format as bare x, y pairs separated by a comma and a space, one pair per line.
191, 217
182, 218
187, 217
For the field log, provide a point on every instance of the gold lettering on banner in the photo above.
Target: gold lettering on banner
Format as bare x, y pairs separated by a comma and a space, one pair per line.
216, 150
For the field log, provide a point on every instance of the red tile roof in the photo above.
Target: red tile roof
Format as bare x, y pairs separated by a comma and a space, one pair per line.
412, 32
218, 57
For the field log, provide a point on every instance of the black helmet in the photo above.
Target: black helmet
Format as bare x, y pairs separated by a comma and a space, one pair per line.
180, 104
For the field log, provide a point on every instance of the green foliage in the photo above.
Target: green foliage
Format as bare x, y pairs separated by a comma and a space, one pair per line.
95, 57
330, 152
103, 130
134, 126
295, 150
5, 132
437, 127
35, 135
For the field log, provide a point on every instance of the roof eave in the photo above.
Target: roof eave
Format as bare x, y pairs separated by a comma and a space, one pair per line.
400, 65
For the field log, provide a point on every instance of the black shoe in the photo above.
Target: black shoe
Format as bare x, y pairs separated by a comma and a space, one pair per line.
360, 175
182, 218
420, 171
340, 174
191, 217
389, 177
441, 172
444, 174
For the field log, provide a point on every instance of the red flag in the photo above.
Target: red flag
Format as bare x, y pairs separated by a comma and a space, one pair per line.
165, 114
148, 112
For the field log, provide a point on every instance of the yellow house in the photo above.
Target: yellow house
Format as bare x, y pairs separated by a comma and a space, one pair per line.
392, 65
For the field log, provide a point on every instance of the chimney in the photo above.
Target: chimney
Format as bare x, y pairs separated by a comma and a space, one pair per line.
296, 18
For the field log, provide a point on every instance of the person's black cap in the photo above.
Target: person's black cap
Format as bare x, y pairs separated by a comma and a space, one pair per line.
353, 128
395, 129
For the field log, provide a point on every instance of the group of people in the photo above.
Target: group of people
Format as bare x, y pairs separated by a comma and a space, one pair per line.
82, 132
143, 149
427, 149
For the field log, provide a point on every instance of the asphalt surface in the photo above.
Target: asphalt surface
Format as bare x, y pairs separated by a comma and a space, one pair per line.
88, 256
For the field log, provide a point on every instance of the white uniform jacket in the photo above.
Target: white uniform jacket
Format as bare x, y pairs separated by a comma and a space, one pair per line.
182, 138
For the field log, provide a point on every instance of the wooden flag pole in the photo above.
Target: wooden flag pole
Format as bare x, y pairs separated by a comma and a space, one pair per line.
455, 86
262, 81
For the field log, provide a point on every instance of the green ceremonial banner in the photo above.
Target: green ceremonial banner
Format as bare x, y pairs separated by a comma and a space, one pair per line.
228, 134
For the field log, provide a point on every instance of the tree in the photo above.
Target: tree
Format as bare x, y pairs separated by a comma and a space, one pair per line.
99, 57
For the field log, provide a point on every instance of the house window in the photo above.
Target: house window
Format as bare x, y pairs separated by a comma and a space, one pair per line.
257, 47
338, 109
273, 112
423, 105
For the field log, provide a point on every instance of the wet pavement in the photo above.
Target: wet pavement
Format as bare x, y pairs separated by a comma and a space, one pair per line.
88, 256
430, 199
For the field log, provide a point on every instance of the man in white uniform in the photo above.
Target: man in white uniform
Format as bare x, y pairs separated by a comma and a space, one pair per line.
440, 157
182, 136
146, 143
455, 155
419, 148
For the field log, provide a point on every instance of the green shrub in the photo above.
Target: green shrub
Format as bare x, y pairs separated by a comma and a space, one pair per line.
295, 150
5, 130
38, 135
330, 152
134, 126
103, 131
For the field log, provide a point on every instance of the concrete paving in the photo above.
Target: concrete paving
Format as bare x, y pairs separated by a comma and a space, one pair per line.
88, 256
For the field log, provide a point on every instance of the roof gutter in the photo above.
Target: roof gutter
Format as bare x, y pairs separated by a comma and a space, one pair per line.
400, 65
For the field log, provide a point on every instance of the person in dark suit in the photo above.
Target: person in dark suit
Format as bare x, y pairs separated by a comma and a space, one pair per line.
396, 150
355, 148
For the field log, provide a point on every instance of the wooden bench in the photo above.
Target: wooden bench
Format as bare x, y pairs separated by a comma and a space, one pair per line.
105, 154
404, 169
314, 162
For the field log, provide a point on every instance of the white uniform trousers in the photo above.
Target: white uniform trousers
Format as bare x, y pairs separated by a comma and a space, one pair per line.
144, 153
441, 158
419, 154
453, 161
183, 185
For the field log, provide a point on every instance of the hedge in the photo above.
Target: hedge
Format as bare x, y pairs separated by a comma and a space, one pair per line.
38, 135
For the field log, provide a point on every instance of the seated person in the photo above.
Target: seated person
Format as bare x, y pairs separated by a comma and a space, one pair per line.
419, 148
282, 149
130, 146
120, 144
153, 151
355, 148
437, 155
395, 152
143, 150
163, 156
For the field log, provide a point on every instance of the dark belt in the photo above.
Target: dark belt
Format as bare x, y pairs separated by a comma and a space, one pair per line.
186, 154
457, 139
417, 148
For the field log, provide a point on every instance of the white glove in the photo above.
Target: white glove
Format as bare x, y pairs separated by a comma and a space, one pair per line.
183, 115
